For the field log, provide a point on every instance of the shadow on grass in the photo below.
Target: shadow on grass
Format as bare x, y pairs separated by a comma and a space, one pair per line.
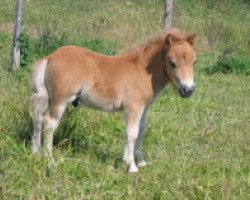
76, 133
68, 136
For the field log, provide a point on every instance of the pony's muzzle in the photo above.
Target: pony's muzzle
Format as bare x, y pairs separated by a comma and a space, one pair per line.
186, 91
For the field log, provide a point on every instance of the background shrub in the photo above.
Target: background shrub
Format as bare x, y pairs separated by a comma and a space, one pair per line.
228, 64
36, 48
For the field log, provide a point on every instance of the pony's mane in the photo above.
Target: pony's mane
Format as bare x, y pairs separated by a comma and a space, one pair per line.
155, 40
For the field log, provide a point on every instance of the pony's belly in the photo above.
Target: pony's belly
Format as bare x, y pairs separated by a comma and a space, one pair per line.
100, 103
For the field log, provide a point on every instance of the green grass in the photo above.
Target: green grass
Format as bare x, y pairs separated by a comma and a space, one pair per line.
228, 64
196, 148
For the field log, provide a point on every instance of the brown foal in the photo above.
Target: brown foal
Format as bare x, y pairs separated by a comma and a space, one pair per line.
129, 82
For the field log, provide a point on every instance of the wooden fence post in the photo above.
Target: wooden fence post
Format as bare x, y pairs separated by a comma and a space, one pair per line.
15, 54
168, 13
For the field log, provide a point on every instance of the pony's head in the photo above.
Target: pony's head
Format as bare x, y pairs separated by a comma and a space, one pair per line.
180, 58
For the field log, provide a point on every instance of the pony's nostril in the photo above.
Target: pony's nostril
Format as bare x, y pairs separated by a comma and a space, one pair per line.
191, 89
186, 91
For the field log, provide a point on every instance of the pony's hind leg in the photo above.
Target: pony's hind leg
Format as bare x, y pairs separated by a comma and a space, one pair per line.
36, 137
51, 121
37, 107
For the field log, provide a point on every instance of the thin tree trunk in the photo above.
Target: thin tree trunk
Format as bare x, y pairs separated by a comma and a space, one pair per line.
168, 13
15, 54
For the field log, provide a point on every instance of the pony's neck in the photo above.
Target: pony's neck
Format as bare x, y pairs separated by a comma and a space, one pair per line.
154, 60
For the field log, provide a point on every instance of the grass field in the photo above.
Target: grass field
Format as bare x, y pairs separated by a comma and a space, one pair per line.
197, 148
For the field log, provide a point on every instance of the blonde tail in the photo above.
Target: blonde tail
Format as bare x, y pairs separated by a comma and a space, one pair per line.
39, 101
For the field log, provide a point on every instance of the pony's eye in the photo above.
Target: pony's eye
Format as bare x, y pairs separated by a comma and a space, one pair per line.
172, 64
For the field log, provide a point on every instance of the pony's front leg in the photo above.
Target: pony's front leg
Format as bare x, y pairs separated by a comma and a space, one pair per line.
132, 120
138, 145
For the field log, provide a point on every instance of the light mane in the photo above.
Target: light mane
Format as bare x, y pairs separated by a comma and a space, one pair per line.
153, 41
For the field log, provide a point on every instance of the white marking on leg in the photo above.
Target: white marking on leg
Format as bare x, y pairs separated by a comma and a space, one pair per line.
132, 119
36, 137
131, 136
50, 125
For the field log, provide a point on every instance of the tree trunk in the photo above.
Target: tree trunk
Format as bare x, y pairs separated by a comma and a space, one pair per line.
15, 54
168, 13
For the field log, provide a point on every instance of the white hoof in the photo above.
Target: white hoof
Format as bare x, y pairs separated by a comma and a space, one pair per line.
132, 168
142, 163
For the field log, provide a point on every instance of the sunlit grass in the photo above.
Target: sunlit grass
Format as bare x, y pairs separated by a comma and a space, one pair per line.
196, 148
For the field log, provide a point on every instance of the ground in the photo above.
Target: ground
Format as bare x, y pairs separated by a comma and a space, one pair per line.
196, 148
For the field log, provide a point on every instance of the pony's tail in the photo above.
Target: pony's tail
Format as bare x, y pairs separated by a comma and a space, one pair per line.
39, 100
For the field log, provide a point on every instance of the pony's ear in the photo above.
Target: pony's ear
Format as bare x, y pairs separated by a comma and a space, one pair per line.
190, 38
169, 39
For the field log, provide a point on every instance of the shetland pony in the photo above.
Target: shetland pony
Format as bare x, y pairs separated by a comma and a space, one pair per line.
129, 82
